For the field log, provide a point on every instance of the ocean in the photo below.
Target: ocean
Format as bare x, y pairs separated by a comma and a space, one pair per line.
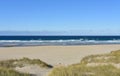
8, 41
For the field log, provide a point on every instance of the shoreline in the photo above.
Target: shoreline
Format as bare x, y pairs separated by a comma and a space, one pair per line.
54, 45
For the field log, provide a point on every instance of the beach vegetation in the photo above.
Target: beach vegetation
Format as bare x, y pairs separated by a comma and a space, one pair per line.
93, 65
11, 72
7, 67
12, 63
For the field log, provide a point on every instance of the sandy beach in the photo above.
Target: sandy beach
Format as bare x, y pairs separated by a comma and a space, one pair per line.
54, 55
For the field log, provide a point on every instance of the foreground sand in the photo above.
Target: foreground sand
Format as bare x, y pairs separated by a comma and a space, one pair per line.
54, 55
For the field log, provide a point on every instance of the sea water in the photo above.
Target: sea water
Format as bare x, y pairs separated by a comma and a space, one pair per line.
57, 40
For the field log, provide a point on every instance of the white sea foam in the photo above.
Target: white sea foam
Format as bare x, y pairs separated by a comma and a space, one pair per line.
57, 42
60, 40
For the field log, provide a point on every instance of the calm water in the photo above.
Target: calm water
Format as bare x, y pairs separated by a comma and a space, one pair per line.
57, 40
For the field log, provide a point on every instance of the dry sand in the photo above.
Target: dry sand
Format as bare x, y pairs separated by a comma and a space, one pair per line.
54, 55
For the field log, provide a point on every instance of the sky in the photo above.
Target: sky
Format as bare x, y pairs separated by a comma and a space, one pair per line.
75, 17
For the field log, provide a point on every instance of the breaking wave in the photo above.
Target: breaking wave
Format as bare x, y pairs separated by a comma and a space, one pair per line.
56, 42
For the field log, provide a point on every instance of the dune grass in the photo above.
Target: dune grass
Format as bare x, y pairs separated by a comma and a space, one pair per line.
113, 57
81, 69
22, 62
7, 66
11, 72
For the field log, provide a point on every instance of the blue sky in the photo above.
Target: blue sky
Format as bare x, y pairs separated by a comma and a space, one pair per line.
71, 16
